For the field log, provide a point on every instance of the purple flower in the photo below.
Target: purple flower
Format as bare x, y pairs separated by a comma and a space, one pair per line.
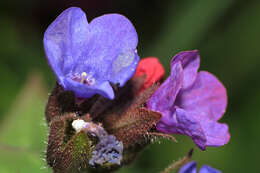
191, 102
192, 168
86, 57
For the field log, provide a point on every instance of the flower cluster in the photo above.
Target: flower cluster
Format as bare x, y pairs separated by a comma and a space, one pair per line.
107, 106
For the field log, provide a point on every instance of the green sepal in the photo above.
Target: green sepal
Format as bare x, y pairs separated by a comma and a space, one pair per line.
68, 151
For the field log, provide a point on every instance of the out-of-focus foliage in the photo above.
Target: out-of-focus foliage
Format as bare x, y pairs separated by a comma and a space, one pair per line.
225, 32
23, 130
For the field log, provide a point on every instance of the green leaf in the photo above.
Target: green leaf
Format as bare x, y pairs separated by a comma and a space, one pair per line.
23, 131
21, 160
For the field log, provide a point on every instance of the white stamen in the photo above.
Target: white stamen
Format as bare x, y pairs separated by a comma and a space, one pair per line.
83, 77
79, 125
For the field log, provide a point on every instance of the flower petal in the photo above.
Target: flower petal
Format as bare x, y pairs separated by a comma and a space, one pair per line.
208, 169
190, 61
203, 132
216, 133
64, 39
190, 167
207, 97
123, 68
113, 48
85, 91
164, 97
188, 125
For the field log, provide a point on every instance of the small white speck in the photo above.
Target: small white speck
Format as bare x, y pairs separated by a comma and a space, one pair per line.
78, 125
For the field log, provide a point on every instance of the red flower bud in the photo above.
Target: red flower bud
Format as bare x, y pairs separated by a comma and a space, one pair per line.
152, 69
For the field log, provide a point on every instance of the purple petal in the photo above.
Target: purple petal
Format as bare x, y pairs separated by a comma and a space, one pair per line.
207, 98
203, 132
103, 51
188, 125
217, 134
164, 97
168, 123
180, 123
190, 61
208, 169
189, 168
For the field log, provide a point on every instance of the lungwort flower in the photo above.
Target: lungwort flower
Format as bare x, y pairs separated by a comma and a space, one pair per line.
191, 167
100, 115
191, 102
96, 113
87, 57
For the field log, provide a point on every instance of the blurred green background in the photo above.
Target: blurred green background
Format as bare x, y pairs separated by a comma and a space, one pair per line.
226, 33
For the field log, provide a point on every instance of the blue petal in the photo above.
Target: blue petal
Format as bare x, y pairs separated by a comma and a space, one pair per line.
85, 91
113, 47
123, 67
189, 168
208, 169
65, 39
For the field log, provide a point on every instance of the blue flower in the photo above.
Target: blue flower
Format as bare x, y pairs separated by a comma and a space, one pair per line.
191, 167
87, 57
